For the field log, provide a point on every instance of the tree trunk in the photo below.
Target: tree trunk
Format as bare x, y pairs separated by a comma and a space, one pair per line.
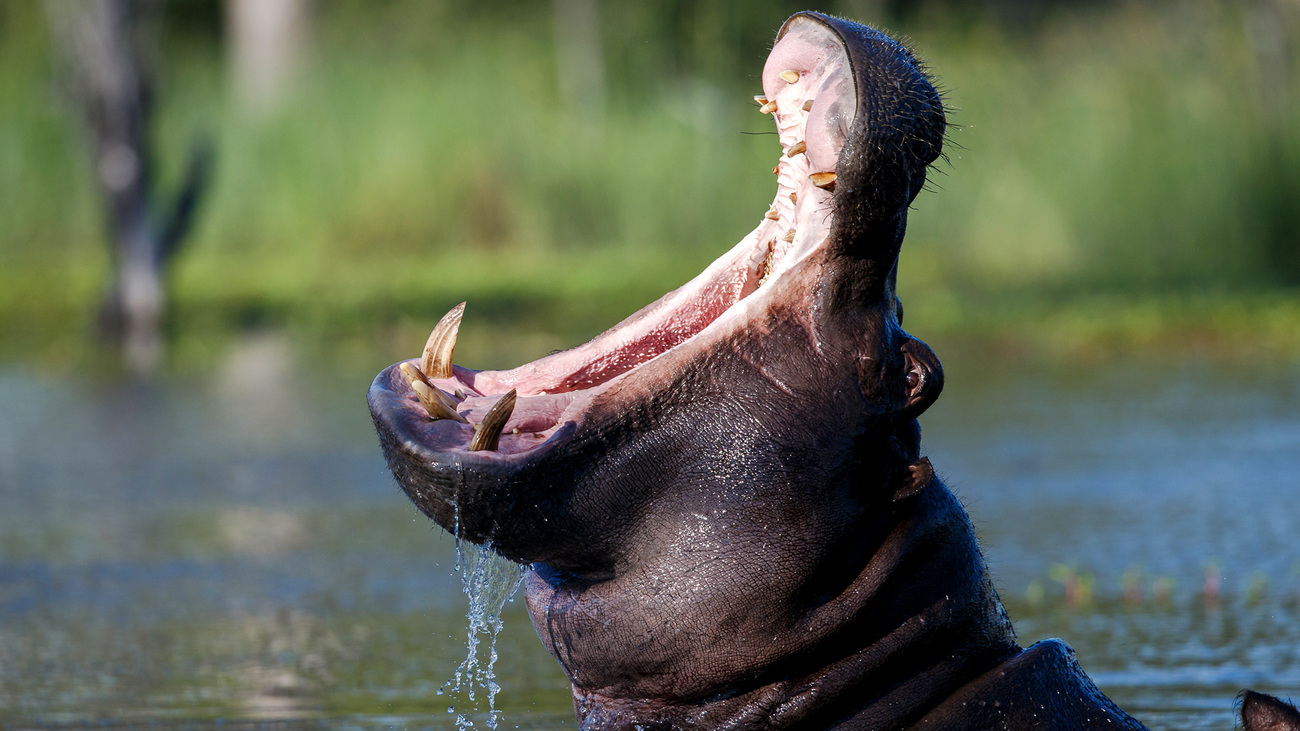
266, 41
106, 45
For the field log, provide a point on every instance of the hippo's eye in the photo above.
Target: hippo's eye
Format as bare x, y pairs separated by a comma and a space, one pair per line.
913, 379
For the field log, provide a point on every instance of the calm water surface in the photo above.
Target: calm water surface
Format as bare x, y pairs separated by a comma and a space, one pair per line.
229, 550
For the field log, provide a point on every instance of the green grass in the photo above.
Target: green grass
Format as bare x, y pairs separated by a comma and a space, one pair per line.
1123, 177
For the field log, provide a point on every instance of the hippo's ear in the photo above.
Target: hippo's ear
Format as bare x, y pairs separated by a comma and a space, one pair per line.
1262, 712
923, 377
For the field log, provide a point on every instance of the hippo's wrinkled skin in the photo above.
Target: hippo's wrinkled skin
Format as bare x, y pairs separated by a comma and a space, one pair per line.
723, 500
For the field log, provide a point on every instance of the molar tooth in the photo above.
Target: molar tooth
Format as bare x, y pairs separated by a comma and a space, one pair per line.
768, 108
823, 180
436, 361
488, 433
790, 76
807, 106
766, 266
796, 148
776, 169
794, 197
772, 214
436, 403
789, 236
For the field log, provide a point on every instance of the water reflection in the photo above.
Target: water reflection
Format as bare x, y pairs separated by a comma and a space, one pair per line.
230, 546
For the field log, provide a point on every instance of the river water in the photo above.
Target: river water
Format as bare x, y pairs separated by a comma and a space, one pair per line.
228, 549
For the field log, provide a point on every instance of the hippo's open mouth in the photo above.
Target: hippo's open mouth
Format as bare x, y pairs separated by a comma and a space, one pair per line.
430, 404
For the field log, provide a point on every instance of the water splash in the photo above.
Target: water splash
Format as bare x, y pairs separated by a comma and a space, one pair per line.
489, 581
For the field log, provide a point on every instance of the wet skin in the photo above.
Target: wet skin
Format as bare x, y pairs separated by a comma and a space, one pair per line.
722, 498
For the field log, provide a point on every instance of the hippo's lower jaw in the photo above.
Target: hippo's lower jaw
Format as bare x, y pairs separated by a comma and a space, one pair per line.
722, 497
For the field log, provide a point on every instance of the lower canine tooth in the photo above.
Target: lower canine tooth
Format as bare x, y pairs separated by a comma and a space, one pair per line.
822, 180
436, 361
796, 148
436, 403
488, 433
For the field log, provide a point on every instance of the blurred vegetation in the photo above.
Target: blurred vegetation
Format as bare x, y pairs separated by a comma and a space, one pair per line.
1123, 174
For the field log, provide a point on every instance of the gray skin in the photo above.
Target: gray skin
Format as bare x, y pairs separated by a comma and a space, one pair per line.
741, 532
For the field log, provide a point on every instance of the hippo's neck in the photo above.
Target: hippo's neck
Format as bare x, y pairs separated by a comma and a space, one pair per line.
922, 609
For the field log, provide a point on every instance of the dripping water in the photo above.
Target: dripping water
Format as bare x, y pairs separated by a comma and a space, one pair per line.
489, 582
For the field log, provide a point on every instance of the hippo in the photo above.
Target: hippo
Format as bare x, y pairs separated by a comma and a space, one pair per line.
722, 502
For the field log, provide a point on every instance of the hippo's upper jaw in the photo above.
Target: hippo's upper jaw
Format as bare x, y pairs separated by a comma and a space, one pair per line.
799, 304
722, 496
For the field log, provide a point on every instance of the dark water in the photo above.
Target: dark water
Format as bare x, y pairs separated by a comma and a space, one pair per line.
229, 550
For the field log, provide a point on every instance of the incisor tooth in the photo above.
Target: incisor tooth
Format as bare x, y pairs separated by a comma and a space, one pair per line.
823, 180
488, 433
413, 374
436, 403
436, 361
789, 236
772, 214
790, 76
760, 99
797, 148
768, 108
807, 106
